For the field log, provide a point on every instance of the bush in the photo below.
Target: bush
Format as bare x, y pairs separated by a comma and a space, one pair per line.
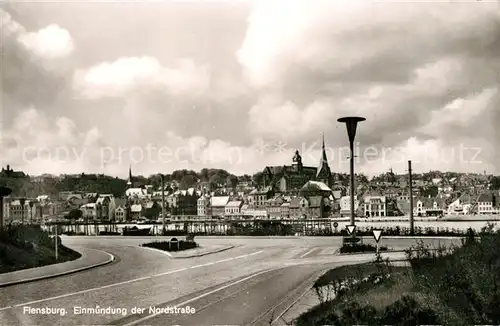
360, 248
407, 311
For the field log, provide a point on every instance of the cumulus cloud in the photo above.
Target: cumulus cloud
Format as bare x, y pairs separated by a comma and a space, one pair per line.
51, 41
33, 72
421, 71
40, 144
425, 75
129, 75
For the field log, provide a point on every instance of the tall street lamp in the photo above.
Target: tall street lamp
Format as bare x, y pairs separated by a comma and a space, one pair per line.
163, 202
22, 201
31, 204
351, 124
4, 192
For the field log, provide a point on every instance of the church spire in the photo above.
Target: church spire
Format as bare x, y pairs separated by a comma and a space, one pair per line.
323, 172
323, 154
129, 181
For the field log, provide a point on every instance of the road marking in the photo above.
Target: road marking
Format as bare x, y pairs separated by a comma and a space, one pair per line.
155, 250
199, 297
120, 283
307, 253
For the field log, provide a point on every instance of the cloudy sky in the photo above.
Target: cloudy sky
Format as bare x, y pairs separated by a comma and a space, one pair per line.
94, 87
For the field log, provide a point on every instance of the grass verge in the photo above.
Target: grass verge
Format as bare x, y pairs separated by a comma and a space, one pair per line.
24, 247
457, 285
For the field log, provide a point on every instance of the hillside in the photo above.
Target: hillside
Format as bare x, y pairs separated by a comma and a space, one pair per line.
28, 248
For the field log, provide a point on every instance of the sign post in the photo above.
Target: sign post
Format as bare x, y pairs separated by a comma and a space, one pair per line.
351, 238
335, 225
377, 234
351, 229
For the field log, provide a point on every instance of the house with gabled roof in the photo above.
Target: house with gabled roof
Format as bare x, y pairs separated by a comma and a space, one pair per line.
233, 207
307, 208
218, 205
488, 203
273, 206
425, 206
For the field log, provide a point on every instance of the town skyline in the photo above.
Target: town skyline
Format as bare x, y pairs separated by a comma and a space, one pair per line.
223, 78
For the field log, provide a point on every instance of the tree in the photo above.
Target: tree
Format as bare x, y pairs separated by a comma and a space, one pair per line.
75, 214
232, 181
362, 178
187, 181
431, 191
258, 178
204, 174
495, 183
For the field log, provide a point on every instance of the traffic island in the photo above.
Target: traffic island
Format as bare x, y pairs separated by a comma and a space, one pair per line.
173, 245
23, 247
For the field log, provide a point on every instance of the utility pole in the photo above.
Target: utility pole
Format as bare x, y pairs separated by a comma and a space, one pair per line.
410, 181
56, 244
163, 202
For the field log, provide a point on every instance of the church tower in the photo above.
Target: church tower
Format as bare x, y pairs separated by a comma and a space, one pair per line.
323, 173
129, 181
297, 162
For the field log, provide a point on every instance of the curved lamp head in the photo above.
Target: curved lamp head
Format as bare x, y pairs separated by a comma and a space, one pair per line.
351, 124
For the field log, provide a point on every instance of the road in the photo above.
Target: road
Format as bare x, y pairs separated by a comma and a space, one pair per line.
247, 285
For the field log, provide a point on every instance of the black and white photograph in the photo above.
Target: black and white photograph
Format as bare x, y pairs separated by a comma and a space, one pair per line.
249, 162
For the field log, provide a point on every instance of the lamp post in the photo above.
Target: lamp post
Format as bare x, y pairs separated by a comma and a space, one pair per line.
4, 192
163, 202
22, 201
31, 204
351, 124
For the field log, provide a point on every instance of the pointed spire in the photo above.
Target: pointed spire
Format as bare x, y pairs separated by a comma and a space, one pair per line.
129, 181
323, 154
323, 162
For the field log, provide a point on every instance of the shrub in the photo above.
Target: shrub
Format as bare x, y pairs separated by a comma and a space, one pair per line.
360, 248
407, 311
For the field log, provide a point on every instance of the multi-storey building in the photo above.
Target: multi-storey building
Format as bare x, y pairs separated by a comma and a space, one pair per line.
203, 205
90, 211
488, 204
375, 206
218, 205
21, 210
425, 206
258, 198
233, 207
292, 178
273, 207
345, 205
307, 208
184, 202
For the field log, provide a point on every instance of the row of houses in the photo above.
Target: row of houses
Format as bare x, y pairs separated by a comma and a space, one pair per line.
314, 200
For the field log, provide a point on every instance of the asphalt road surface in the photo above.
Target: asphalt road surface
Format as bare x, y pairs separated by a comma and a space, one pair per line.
251, 284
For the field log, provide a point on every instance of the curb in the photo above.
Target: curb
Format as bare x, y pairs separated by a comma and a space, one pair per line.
190, 256
81, 269
337, 252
